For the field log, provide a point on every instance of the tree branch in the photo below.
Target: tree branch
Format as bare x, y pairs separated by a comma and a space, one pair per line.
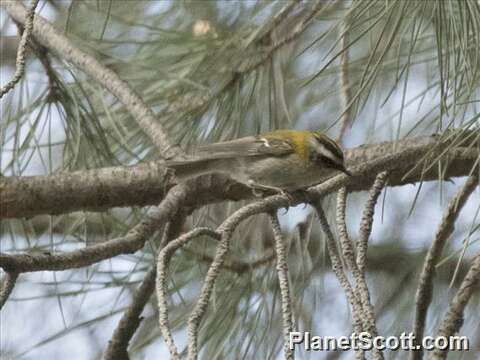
128, 324
282, 270
348, 253
359, 271
234, 265
337, 267
346, 243
226, 229
453, 321
202, 303
90, 189
163, 261
131, 242
424, 293
367, 220
146, 184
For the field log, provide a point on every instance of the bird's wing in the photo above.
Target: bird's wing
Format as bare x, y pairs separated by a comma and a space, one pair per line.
247, 146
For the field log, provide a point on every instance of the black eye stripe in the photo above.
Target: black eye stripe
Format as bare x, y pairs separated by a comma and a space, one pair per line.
330, 145
327, 161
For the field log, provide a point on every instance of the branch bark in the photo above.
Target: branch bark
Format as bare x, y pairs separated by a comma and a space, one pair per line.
146, 184
163, 262
282, 271
128, 324
338, 270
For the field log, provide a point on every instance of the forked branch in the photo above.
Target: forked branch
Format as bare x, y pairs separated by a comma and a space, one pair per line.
163, 261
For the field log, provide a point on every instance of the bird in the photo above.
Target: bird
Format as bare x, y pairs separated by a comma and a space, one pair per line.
278, 161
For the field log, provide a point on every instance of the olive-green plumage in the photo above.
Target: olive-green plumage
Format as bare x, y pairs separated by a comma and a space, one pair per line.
278, 160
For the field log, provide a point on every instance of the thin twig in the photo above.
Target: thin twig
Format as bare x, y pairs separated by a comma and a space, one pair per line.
53, 39
367, 219
22, 48
163, 261
298, 29
424, 292
348, 253
234, 265
282, 271
202, 303
279, 17
453, 320
337, 268
361, 287
8, 283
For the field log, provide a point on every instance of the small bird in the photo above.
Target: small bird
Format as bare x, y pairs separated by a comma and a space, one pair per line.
280, 161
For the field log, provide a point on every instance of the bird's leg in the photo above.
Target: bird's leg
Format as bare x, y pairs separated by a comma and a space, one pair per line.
256, 186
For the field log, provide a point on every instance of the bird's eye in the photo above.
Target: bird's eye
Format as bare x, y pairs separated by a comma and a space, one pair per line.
327, 161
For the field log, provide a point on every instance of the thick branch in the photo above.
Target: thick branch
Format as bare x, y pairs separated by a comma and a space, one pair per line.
131, 242
89, 189
53, 39
145, 184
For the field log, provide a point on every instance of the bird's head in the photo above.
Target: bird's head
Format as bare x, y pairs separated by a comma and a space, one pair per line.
325, 152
